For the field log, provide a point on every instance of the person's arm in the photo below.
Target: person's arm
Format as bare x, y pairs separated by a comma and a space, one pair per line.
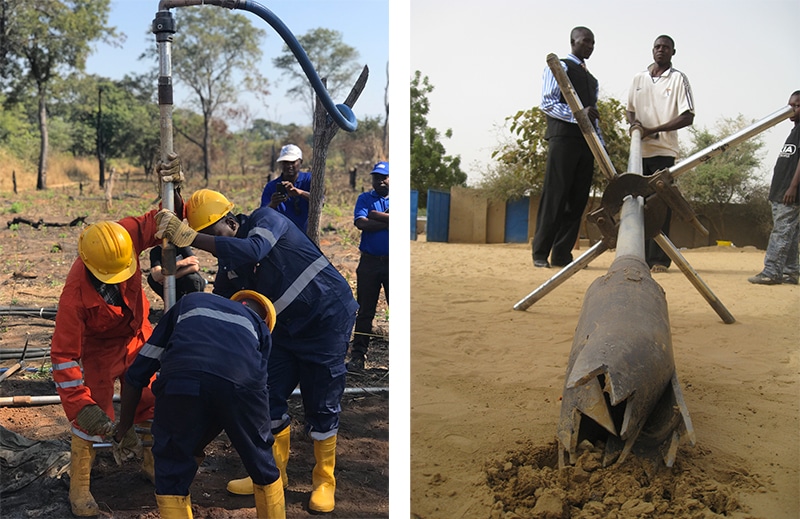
370, 224
293, 190
551, 97
790, 196
683, 120
187, 266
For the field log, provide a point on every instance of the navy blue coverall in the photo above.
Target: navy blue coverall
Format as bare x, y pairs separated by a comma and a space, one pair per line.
212, 355
315, 314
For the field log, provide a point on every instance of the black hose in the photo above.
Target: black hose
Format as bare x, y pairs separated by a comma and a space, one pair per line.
44, 313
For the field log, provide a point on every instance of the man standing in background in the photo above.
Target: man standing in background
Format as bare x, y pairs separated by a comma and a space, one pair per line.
781, 261
570, 164
660, 103
371, 216
290, 193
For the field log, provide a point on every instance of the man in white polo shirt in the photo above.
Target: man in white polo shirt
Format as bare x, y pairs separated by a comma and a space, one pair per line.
660, 102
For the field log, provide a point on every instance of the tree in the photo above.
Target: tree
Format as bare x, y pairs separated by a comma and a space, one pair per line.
127, 127
521, 160
42, 40
431, 167
730, 177
333, 60
211, 46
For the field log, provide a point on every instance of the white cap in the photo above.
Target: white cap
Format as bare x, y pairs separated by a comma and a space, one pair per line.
290, 153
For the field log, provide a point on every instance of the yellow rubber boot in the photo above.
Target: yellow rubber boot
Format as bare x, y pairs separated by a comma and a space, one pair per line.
241, 487
80, 472
323, 484
148, 463
174, 507
280, 451
270, 503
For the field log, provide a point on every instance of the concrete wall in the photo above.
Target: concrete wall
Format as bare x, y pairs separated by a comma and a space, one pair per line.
474, 219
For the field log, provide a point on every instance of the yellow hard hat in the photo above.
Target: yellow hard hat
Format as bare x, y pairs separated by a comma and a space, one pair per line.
107, 250
205, 207
269, 310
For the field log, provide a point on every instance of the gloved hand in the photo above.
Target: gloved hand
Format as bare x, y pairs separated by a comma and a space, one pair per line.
171, 171
128, 448
173, 229
94, 421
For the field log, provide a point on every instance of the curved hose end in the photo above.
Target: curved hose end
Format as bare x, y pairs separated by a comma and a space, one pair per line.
347, 121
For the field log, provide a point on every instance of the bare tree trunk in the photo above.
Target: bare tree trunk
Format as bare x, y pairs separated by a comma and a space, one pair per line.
206, 145
385, 141
109, 187
324, 131
41, 177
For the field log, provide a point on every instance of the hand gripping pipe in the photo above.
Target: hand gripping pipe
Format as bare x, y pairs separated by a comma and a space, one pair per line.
341, 114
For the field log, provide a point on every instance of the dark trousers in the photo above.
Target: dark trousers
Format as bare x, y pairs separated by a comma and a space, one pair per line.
190, 412
317, 365
372, 274
567, 182
654, 255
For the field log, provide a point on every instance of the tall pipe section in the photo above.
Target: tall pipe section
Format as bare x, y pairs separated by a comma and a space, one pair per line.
164, 28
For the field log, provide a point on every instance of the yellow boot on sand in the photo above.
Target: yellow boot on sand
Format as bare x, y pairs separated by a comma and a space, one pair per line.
280, 451
270, 502
174, 507
80, 472
323, 484
241, 487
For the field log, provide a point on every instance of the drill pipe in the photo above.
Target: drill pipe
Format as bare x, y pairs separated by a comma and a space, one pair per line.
621, 386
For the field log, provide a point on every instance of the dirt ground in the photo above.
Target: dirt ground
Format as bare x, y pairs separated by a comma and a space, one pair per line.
486, 382
34, 264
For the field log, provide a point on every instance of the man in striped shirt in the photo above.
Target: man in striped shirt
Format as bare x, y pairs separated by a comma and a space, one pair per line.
660, 103
570, 163
266, 252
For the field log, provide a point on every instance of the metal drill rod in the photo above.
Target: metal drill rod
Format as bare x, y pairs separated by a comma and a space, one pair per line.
585, 125
732, 140
164, 28
694, 278
562, 275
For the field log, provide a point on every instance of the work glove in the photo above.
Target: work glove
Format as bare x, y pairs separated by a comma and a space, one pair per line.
171, 171
94, 421
173, 229
128, 448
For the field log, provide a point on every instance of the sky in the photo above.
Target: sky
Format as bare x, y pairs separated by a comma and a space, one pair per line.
362, 23
485, 61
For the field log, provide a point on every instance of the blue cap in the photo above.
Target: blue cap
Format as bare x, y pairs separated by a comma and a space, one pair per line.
381, 168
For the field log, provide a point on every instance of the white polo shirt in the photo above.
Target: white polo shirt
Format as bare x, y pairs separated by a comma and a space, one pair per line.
657, 100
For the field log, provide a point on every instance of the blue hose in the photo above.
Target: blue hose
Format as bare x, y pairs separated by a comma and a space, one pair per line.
341, 114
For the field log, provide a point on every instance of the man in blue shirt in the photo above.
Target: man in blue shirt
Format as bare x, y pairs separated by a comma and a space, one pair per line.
371, 216
211, 357
289, 194
266, 252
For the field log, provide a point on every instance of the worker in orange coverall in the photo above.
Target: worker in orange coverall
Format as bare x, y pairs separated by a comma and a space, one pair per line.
101, 324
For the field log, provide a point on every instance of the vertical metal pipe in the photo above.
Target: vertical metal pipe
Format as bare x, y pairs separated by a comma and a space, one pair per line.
164, 28
630, 237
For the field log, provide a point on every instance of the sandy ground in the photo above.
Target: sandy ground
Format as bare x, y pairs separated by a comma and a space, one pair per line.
486, 382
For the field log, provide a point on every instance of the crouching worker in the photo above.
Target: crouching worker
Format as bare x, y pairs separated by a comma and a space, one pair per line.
211, 354
100, 326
